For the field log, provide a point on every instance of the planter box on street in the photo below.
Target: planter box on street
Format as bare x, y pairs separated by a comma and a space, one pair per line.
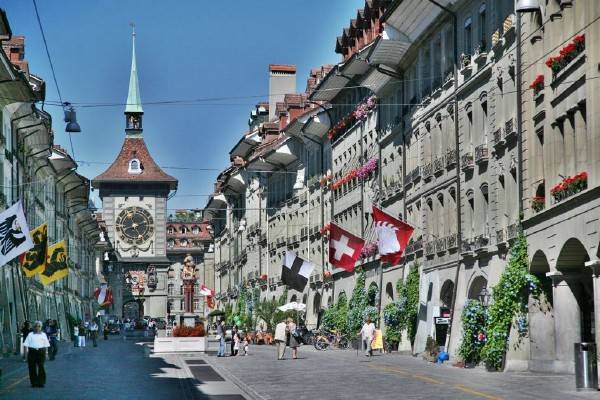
179, 344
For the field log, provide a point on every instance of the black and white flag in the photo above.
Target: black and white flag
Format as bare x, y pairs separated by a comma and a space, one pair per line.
14, 233
295, 271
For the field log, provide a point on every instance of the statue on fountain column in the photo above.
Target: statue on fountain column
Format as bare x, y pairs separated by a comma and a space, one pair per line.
189, 268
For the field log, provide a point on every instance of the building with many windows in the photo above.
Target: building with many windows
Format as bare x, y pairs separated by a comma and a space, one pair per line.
472, 139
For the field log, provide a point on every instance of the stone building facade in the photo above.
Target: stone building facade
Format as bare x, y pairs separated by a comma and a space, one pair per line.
44, 178
474, 144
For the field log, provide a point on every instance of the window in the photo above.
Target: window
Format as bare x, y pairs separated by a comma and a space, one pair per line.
468, 36
135, 167
171, 289
482, 27
171, 243
195, 230
196, 305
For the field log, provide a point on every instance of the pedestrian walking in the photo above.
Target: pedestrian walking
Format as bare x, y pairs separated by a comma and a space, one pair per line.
82, 333
94, 333
234, 331
76, 336
280, 339
367, 333
36, 345
293, 337
245, 344
51, 331
106, 331
221, 338
25, 330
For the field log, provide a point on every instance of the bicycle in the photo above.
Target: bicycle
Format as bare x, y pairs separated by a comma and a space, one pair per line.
325, 341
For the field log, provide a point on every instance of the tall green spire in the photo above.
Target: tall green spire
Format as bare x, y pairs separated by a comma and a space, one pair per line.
134, 101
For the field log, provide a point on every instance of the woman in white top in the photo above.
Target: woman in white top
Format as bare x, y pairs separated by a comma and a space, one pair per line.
36, 345
368, 333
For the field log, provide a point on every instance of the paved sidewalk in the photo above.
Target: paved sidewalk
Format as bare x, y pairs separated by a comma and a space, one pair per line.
338, 374
117, 369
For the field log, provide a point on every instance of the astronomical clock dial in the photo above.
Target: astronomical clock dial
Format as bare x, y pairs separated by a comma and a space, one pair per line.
135, 225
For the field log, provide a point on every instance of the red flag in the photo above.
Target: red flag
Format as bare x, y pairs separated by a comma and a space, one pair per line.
392, 236
344, 248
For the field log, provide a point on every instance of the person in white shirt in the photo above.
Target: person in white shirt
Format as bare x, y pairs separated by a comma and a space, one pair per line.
94, 333
281, 338
36, 345
368, 333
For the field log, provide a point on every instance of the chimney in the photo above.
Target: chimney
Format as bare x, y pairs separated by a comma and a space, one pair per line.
282, 80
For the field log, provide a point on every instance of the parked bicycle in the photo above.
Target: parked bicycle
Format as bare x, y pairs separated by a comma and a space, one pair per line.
332, 339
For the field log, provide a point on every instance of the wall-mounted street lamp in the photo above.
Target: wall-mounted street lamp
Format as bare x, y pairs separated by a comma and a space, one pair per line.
524, 6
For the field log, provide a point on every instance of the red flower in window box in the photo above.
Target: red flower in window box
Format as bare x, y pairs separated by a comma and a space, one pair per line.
327, 275
537, 84
263, 277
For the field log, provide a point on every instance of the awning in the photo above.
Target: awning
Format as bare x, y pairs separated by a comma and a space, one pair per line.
217, 201
378, 82
281, 156
61, 161
318, 125
236, 182
412, 18
390, 48
245, 145
339, 76
294, 128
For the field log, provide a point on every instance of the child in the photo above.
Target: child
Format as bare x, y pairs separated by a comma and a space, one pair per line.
245, 345
236, 344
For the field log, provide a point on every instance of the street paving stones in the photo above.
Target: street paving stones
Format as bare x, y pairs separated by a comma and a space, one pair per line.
116, 369
339, 374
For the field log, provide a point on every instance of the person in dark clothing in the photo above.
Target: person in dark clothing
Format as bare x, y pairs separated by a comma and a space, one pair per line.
51, 330
25, 329
105, 331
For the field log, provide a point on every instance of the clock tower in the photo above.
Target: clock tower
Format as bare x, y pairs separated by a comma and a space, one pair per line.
134, 192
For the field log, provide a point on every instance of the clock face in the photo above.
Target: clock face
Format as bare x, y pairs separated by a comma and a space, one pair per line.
135, 225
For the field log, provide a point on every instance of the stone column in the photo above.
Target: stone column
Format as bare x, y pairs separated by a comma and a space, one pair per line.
595, 266
567, 319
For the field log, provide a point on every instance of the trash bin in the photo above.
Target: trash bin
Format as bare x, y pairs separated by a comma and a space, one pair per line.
586, 367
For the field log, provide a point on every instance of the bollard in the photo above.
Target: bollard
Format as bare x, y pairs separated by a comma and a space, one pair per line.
586, 367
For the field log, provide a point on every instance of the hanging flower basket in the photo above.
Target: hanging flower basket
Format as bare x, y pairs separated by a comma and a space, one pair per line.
327, 275
569, 186
263, 277
369, 250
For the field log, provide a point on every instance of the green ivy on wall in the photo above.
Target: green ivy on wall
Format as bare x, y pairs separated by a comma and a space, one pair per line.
401, 314
510, 297
358, 303
474, 317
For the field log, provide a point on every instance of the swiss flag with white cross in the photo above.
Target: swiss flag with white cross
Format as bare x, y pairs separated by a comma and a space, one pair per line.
344, 248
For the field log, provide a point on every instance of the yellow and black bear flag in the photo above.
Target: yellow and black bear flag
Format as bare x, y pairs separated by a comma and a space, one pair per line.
56, 264
34, 261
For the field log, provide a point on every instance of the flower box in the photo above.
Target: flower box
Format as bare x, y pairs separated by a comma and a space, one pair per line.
179, 344
538, 203
360, 114
569, 186
566, 54
537, 85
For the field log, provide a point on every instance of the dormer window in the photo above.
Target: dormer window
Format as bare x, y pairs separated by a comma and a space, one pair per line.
135, 167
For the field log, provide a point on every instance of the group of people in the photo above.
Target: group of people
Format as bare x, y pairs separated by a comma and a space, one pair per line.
287, 335
239, 342
87, 329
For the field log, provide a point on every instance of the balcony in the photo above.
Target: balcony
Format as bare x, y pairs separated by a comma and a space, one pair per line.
452, 241
466, 161
510, 131
500, 236
429, 248
467, 246
440, 245
428, 170
438, 165
481, 154
418, 245
450, 158
408, 179
497, 138
481, 242
416, 174
512, 231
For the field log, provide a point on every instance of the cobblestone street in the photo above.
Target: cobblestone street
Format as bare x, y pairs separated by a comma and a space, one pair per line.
116, 369
343, 375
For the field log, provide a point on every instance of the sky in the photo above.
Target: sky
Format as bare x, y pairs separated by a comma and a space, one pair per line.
186, 50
